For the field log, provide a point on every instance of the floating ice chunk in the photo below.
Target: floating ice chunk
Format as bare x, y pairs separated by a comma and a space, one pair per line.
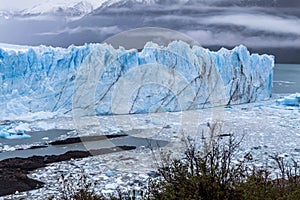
9, 132
12, 136
291, 100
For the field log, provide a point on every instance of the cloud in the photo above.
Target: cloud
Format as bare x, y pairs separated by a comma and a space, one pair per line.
100, 30
205, 21
260, 22
210, 38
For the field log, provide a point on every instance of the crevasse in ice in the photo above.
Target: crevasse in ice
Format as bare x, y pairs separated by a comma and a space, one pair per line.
99, 79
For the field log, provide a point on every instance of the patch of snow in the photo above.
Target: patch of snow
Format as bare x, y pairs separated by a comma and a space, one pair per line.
42, 125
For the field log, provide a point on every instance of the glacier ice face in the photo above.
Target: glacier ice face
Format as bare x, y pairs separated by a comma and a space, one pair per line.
98, 79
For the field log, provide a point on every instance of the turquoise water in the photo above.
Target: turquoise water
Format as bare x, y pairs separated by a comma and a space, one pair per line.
286, 78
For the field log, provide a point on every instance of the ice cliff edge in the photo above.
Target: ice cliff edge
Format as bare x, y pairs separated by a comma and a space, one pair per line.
105, 80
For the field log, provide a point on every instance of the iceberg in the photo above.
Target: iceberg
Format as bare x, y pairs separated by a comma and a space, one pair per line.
99, 79
14, 136
8, 132
291, 100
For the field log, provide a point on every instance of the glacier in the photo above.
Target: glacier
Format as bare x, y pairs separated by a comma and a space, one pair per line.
99, 79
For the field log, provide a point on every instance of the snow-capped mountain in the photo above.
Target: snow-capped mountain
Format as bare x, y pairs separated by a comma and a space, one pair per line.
75, 8
55, 7
5, 14
83, 7
65, 8
78, 7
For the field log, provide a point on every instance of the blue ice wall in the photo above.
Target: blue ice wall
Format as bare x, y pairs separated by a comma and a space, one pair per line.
105, 80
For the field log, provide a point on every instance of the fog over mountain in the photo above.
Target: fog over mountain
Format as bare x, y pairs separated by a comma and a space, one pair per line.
262, 25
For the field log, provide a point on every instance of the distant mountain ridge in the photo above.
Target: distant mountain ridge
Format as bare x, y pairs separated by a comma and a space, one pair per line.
55, 7
75, 8
68, 8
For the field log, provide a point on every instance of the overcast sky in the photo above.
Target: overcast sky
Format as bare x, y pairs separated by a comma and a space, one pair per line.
255, 23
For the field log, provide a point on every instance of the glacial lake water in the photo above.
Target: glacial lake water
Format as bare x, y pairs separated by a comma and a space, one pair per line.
286, 78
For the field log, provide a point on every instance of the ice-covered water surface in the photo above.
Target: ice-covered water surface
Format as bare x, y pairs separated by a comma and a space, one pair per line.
266, 128
269, 121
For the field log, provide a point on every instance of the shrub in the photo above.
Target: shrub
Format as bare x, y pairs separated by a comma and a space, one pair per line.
199, 175
81, 190
210, 174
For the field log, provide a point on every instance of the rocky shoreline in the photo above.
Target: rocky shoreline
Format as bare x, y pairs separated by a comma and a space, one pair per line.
14, 171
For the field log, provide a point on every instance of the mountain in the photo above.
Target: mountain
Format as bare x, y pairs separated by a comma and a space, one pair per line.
5, 14
55, 7
63, 8
74, 8
79, 7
